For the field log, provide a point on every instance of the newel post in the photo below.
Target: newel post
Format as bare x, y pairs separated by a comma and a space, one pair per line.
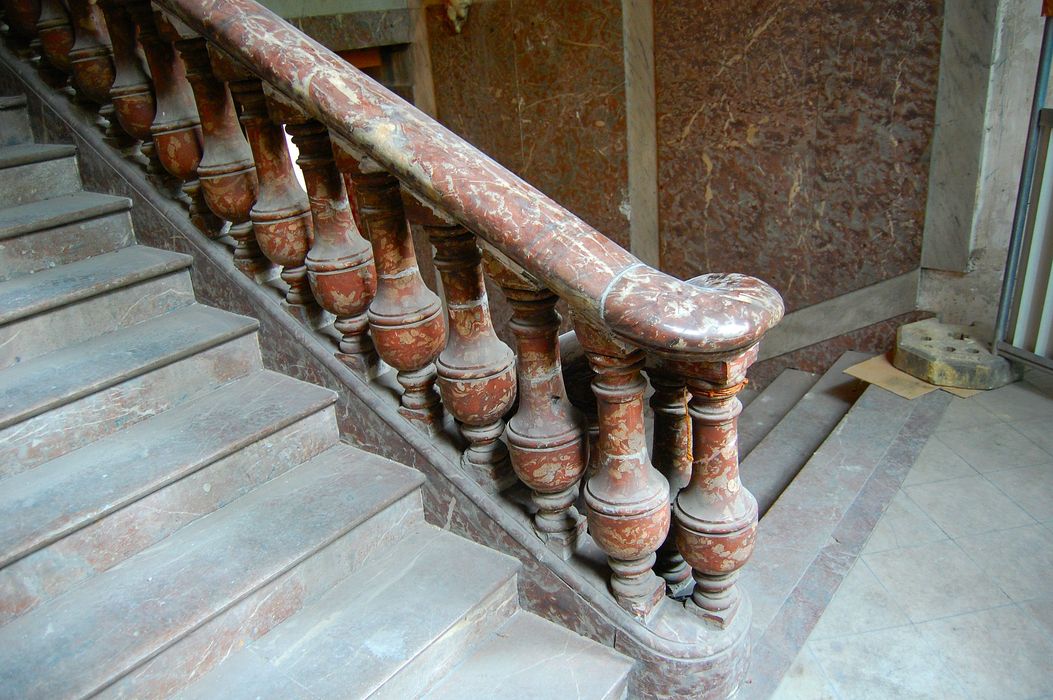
405, 318
627, 498
547, 437
715, 516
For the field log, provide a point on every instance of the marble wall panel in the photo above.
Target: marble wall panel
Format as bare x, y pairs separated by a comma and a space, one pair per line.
540, 87
793, 139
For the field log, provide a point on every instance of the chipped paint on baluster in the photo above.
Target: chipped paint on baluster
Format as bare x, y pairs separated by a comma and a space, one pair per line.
55, 34
89, 57
131, 94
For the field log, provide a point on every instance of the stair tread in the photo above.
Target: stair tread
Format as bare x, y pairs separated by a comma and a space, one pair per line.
94, 634
29, 153
533, 658
770, 406
37, 385
364, 630
774, 462
13, 101
43, 504
31, 294
49, 213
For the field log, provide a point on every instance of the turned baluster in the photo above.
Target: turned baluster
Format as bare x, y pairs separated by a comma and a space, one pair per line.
56, 35
89, 57
176, 130
226, 171
340, 262
405, 318
671, 455
547, 437
477, 377
715, 516
627, 498
281, 216
131, 93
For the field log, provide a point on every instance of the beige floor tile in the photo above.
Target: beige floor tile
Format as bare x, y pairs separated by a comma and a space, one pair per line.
1039, 431
861, 604
965, 413
993, 447
1041, 613
805, 680
1031, 488
1020, 561
889, 664
937, 462
1019, 401
903, 524
934, 580
968, 506
998, 654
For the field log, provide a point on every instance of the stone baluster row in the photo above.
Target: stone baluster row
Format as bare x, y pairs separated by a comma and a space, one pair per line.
218, 129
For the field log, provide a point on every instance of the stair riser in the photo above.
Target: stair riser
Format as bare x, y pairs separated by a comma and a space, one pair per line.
85, 420
64, 244
22, 184
56, 568
433, 663
14, 127
40, 334
252, 617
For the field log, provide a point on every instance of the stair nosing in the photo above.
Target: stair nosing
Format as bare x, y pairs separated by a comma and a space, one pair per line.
105, 205
33, 153
170, 263
246, 327
377, 508
13, 102
185, 470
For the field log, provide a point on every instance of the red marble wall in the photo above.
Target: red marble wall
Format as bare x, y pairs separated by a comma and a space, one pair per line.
794, 139
540, 87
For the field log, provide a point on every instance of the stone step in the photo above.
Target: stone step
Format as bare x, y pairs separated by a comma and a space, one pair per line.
776, 459
133, 629
34, 171
62, 230
532, 658
92, 508
14, 121
388, 631
768, 407
67, 305
61, 401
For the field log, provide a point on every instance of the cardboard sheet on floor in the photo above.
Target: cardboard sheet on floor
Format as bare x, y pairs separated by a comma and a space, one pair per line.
878, 370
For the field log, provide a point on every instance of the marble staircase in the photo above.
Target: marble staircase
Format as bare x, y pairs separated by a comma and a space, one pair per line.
176, 520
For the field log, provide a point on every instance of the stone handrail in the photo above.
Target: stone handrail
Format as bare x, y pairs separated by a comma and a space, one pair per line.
648, 308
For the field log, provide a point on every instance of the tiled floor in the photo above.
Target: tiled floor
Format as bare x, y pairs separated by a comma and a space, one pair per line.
953, 595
